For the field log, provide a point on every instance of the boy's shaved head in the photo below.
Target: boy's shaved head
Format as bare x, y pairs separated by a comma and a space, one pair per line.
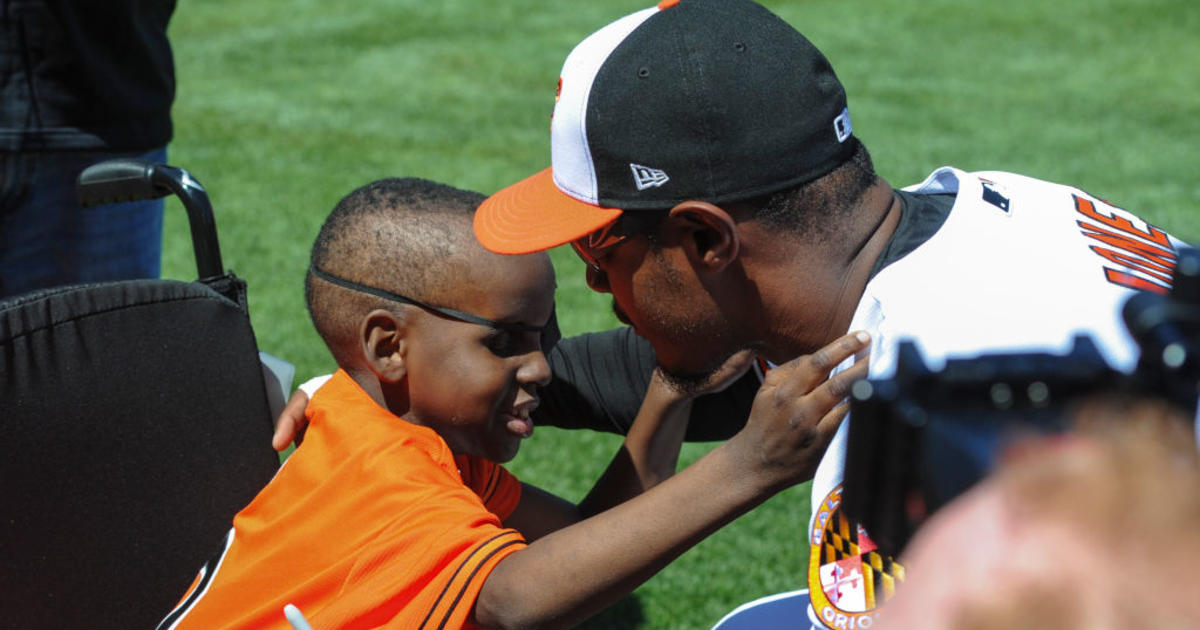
405, 235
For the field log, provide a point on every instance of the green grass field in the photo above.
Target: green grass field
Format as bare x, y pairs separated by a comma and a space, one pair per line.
284, 106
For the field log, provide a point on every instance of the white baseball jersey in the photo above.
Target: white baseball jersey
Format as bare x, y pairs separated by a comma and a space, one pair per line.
1020, 265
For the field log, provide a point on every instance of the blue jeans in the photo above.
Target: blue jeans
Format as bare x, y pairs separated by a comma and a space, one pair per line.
47, 239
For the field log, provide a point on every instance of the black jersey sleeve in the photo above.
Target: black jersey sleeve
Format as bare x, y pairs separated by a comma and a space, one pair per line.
600, 380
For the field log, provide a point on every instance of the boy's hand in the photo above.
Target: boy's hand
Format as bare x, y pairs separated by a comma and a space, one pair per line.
292, 422
798, 410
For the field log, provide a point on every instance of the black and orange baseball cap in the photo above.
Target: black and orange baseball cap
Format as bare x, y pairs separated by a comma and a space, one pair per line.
711, 100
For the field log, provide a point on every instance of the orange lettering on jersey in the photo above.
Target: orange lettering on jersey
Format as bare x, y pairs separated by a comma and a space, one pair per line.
1151, 233
1141, 265
1156, 256
1133, 282
1134, 263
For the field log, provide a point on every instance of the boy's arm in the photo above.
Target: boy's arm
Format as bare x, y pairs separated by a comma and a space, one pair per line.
648, 455
651, 449
583, 568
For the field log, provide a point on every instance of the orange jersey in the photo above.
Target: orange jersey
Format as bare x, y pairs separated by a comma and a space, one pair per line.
370, 523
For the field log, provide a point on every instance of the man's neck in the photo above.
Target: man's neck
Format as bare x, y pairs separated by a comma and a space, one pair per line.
831, 278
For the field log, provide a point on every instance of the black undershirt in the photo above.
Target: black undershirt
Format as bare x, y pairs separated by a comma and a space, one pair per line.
601, 378
920, 217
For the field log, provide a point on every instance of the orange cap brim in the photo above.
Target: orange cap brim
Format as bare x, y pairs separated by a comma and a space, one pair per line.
533, 215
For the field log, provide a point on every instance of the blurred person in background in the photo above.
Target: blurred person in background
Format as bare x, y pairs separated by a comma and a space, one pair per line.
1096, 528
80, 82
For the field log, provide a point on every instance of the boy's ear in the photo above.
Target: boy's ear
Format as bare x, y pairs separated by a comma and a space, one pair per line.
707, 233
384, 345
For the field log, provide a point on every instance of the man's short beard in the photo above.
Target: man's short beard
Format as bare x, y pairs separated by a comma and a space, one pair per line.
689, 383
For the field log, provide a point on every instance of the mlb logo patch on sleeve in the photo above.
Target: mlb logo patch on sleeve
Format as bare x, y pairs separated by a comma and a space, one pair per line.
993, 195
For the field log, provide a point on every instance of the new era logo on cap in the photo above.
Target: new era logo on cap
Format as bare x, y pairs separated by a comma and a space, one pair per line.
645, 177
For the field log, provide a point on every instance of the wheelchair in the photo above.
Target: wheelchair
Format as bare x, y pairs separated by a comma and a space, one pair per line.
136, 419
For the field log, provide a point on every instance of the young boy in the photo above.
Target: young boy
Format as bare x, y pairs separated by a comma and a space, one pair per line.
394, 512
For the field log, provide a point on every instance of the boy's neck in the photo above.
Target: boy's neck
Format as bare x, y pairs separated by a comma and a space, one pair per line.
388, 396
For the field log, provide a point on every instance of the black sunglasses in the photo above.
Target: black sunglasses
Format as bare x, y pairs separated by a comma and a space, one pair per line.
549, 334
593, 246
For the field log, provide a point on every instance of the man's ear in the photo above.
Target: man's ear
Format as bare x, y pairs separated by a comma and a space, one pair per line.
707, 233
384, 344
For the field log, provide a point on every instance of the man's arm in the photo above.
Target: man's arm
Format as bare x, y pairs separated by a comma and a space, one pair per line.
583, 568
649, 454
601, 379
600, 382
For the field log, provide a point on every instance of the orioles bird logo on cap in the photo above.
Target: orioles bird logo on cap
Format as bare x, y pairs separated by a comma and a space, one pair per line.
557, 95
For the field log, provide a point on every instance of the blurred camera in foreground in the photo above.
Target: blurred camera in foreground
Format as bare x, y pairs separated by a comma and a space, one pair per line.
923, 437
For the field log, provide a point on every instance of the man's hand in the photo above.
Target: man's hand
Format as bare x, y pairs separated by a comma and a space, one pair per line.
292, 422
798, 410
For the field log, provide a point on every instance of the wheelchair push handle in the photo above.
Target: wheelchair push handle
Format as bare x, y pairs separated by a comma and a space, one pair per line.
114, 181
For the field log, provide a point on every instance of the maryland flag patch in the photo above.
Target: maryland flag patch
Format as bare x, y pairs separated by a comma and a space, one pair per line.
848, 579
